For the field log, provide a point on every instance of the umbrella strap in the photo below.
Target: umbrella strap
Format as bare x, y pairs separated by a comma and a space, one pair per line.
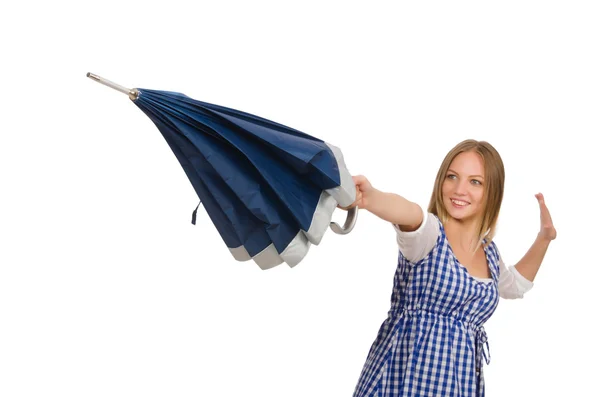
194, 213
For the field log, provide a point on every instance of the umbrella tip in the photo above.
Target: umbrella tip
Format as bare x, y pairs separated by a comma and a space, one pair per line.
132, 93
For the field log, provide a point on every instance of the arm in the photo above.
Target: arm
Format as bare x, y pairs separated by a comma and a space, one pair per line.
529, 265
387, 206
395, 209
512, 284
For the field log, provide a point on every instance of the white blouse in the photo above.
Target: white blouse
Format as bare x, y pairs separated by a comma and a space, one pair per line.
415, 245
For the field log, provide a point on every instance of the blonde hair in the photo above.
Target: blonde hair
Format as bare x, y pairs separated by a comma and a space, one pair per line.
493, 186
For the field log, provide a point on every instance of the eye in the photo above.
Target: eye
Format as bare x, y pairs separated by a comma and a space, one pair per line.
476, 182
450, 176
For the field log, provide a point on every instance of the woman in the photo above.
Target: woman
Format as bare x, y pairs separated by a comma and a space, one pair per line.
449, 278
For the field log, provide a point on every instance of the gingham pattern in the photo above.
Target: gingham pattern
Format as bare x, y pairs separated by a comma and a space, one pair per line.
432, 342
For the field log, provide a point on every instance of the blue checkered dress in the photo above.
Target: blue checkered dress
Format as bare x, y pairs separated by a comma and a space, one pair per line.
432, 342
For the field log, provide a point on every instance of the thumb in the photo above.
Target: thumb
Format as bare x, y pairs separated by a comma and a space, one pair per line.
359, 180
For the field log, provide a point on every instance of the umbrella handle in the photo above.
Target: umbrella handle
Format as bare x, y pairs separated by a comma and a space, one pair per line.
350, 222
133, 93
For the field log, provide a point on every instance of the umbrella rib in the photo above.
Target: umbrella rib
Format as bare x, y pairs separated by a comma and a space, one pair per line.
166, 121
185, 118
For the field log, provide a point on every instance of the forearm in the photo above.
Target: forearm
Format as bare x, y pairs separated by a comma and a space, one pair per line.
529, 265
395, 209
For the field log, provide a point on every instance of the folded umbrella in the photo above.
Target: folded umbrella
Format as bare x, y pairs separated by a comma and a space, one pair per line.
269, 190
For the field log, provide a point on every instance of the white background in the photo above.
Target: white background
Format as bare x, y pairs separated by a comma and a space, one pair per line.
107, 289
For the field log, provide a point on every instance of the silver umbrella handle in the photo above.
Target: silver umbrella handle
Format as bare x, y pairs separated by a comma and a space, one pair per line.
133, 93
350, 222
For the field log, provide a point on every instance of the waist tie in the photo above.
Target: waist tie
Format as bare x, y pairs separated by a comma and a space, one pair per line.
481, 341
481, 338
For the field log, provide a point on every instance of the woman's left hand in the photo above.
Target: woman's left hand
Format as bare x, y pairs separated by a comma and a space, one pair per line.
547, 230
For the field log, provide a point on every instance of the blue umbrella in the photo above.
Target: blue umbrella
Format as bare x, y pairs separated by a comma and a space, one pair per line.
270, 190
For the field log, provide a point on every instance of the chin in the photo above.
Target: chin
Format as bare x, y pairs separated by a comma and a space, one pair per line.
460, 215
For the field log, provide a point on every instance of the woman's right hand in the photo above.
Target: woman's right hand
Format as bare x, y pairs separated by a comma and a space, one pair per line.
363, 191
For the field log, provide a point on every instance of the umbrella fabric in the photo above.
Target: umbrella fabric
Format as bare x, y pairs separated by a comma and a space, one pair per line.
270, 190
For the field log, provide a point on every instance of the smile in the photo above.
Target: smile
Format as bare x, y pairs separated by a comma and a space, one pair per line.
459, 203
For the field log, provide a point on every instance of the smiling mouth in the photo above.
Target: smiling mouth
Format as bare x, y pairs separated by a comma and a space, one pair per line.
459, 203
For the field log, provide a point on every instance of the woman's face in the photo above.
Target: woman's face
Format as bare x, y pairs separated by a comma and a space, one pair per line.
462, 190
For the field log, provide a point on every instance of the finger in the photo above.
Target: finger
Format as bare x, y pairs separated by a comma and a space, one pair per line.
540, 198
541, 201
544, 212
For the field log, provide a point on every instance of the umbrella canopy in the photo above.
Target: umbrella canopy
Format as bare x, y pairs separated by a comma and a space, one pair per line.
269, 190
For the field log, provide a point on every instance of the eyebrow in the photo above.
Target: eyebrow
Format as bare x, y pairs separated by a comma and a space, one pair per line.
470, 176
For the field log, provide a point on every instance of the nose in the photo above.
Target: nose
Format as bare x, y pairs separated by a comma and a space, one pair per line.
461, 188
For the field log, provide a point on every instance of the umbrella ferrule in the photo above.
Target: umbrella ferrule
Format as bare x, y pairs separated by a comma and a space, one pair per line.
133, 93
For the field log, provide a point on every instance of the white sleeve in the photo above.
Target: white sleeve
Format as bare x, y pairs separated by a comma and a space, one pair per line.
415, 245
512, 284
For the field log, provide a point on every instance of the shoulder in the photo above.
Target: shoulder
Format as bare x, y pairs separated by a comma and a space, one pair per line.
494, 249
416, 245
496, 259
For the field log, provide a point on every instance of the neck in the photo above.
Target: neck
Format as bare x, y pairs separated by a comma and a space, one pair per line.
464, 232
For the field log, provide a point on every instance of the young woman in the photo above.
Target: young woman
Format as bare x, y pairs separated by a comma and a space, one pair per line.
449, 278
